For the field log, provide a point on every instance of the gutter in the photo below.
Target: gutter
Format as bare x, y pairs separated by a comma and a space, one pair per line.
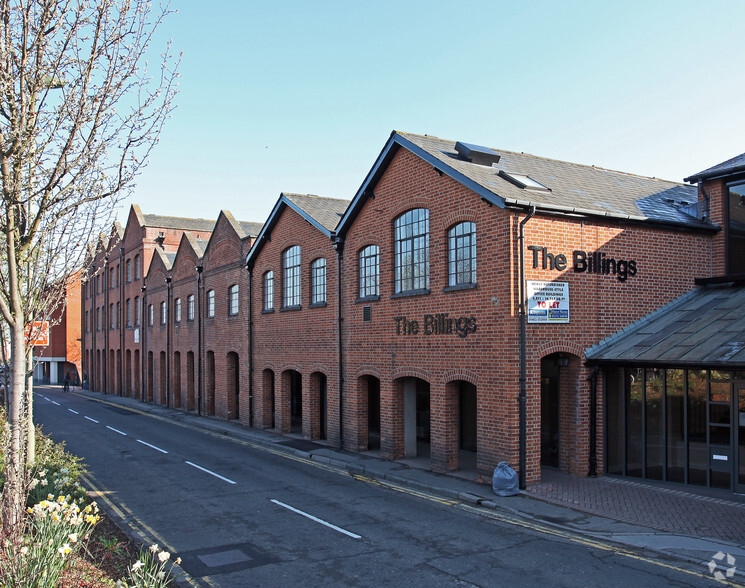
339, 247
250, 347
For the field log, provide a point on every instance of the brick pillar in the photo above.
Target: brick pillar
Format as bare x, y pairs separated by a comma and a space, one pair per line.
444, 426
392, 419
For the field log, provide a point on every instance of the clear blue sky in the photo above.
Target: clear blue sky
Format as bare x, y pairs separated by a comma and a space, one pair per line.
301, 96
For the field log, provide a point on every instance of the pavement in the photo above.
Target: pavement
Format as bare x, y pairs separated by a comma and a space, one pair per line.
697, 525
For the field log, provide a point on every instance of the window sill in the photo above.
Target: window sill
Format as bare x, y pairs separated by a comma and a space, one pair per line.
374, 298
407, 293
293, 307
317, 305
267, 311
459, 287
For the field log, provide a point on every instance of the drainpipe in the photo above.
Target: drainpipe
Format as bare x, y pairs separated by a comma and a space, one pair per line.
199, 269
249, 268
339, 248
144, 318
168, 341
593, 472
122, 326
523, 354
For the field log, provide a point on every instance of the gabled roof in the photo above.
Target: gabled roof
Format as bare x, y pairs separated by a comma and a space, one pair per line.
704, 328
322, 213
726, 168
557, 186
177, 223
251, 229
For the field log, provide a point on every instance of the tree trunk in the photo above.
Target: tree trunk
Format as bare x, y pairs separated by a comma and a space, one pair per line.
12, 507
29, 421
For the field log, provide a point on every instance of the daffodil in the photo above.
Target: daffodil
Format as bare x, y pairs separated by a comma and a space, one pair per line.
163, 556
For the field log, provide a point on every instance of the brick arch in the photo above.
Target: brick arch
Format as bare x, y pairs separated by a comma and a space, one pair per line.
320, 368
411, 373
268, 365
459, 216
367, 370
460, 374
551, 347
290, 366
366, 241
409, 205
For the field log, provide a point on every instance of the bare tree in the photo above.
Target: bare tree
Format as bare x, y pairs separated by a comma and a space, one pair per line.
79, 114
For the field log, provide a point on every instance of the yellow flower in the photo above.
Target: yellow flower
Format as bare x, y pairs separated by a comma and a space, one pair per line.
64, 550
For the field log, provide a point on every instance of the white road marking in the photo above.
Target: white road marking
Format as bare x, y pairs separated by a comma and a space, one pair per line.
53, 402
152, 446
92, 420
317, 520
116, 430
211, 473
73, 411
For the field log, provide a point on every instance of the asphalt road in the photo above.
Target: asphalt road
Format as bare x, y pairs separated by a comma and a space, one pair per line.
241, 516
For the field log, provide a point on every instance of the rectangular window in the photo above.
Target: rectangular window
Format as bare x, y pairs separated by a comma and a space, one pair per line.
112, 281
137, 310
177, 310
411, 253
318, 281
118, 315
369, 272
137, 267
111, 315
129, 270
98, 319
269, 290
211, 303
163, 313
462, 254
233, 302
129, 312
291, 276
190, 307
150, 315
87, 324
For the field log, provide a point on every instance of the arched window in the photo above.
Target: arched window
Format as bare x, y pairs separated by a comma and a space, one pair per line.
269, 290
177, 310
190, 307
210, 303
291, 276
411, 252
137, 267
318, 281
462, 254
233, 301
129, 270
369, 271
163, 313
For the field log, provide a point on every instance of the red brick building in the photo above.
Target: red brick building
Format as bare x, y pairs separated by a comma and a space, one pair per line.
445, 313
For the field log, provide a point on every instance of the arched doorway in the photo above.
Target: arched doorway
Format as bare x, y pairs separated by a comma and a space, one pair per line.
296, 402
417, 428
190, 388
177, 379
369, 391
318, 424
559, 393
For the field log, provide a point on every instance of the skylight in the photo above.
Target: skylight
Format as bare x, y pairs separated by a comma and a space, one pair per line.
523, 181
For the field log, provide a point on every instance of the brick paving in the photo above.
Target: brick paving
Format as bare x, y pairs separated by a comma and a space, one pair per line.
664, 508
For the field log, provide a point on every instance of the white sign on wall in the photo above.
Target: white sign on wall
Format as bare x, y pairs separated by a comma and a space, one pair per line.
548, 302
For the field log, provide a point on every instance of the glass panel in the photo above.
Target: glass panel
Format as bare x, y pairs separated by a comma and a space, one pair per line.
719, 391
676, 445
615, 419
719, 375
697, 449
634, 387
741, 435
736, 230
719, 415
654, 424
718, 435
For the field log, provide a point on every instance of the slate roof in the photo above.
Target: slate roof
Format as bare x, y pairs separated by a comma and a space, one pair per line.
726, 168
705, 328
251, 229
573, 187
327, 211
178, 223
322, 213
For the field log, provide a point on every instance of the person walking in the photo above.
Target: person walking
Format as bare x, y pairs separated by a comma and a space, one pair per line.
67, 382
